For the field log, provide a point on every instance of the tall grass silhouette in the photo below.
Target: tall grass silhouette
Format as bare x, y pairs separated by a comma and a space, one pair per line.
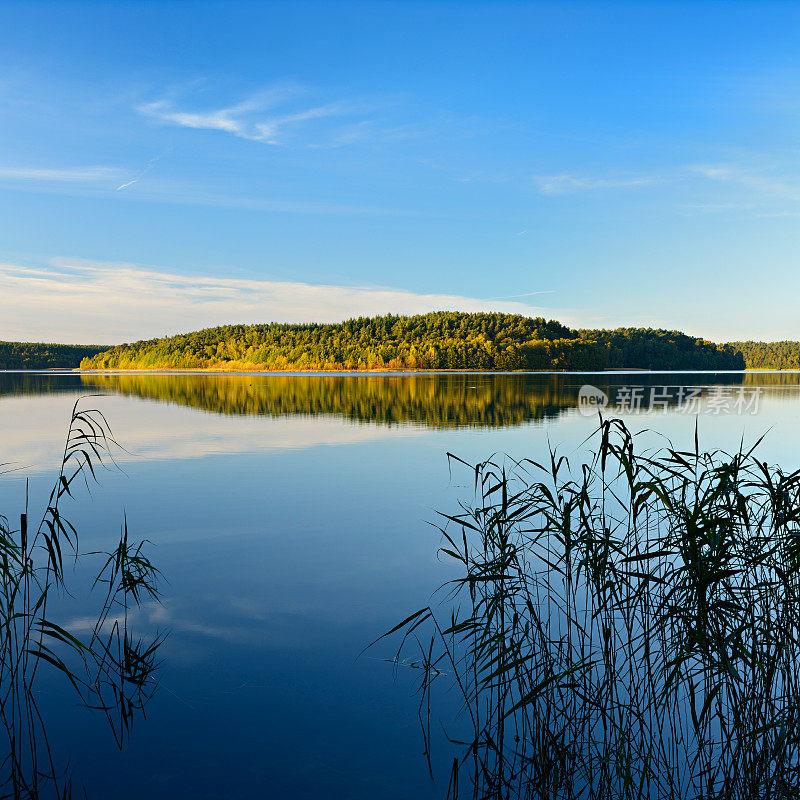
625, 628
111, 670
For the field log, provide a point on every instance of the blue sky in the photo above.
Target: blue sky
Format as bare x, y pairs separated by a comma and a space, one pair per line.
165, 166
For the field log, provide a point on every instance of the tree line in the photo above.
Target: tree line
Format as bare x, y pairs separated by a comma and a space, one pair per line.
648, 348
439, 340
770, 355
40, 355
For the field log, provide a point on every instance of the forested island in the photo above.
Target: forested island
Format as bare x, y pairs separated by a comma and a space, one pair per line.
40, 355
440, 340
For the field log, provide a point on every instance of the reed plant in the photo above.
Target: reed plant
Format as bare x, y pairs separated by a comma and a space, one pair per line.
626, 627
111, 670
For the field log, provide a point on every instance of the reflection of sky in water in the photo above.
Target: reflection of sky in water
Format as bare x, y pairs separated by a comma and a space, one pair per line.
32, 429
284, 558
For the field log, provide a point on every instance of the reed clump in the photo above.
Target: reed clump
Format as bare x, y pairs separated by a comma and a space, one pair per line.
627, 628
111, 670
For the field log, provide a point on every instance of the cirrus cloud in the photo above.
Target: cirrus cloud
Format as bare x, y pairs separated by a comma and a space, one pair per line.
271, 116
61, 175
565, 183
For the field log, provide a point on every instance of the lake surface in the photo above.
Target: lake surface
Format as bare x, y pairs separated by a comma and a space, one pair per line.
289, 516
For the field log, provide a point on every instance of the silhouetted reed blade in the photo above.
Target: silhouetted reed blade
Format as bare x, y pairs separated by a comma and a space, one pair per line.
626, 629
111, 670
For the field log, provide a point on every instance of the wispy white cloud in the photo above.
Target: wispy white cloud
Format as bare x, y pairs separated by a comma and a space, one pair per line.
745, 185
271, 116
68, 175
106, 183
762, 181
284, 114
107, 303
566, 183
524, 294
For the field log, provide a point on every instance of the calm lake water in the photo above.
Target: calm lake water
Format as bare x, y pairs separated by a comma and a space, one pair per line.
289, 516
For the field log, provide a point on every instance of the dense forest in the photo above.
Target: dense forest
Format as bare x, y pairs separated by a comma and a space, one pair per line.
770, 355
38, 355
646, 348
441, 340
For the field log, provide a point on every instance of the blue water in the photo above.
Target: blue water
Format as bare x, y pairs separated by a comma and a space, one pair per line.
290, 522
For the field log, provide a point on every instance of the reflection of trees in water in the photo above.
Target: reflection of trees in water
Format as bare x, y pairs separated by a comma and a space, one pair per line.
111, 669
436, 400
440, 401
23, 383
771, 379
